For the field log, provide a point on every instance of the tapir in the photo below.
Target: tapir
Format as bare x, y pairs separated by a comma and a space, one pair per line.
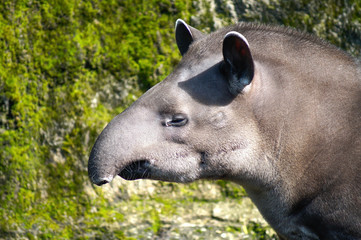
271, 108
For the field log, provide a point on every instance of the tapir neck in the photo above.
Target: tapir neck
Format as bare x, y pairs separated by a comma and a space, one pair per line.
305, 139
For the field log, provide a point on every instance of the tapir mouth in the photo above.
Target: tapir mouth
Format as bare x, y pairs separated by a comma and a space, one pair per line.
136, 170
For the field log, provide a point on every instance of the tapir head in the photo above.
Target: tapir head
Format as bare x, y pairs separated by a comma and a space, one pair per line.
278, 112
195, 124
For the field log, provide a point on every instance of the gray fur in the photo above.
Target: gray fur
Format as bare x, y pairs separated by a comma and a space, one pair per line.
291, 137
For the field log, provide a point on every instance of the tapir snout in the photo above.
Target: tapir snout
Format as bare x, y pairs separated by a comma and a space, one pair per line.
272, 109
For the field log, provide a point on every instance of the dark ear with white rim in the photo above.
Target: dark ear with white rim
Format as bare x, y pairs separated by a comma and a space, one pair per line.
238, 61
185, 35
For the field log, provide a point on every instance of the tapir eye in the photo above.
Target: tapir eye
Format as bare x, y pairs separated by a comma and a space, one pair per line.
177, 120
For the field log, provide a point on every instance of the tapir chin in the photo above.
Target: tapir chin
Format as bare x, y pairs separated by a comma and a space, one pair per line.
272, 109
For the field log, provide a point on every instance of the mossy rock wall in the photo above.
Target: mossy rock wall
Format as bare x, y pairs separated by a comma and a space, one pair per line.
68, 67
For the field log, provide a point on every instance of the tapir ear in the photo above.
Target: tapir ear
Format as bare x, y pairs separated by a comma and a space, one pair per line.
185, 35
238, 61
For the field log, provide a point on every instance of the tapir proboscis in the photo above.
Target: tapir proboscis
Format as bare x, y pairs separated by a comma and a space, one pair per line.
272, 109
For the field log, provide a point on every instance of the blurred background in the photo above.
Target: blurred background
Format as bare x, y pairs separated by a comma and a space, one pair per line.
68, 67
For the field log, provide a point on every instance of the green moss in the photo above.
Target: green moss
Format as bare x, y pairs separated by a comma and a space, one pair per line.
336, 21
62, 61
68, 67
231, 190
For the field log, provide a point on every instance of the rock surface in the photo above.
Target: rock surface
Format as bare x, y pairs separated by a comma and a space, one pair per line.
158, 210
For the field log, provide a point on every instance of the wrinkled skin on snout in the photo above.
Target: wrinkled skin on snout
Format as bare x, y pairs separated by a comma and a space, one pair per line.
272, 109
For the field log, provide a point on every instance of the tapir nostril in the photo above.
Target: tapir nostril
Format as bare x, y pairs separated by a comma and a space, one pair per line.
103, 180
